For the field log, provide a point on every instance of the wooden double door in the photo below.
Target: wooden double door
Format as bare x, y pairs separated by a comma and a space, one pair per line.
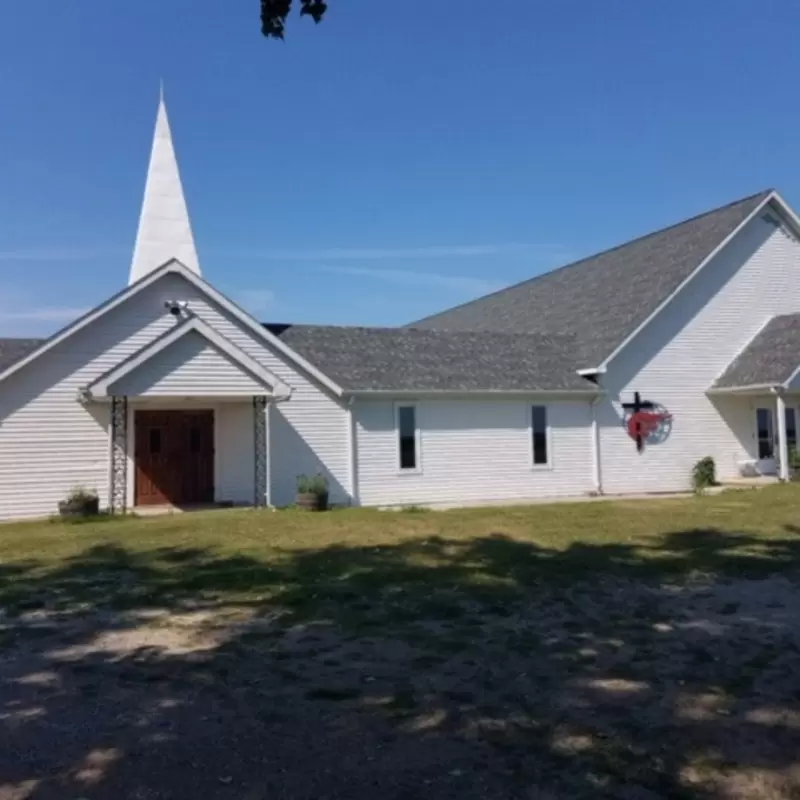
174, 456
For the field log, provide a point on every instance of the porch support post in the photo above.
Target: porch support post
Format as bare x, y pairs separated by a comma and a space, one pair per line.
118, 495
783, 447
261, 451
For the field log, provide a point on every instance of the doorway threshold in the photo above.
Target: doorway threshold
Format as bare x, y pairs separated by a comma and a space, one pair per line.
168, 508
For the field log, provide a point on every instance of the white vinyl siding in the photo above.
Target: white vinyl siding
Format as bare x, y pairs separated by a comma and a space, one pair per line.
190, 367
49, 442
682, 352
472, 451
235, 453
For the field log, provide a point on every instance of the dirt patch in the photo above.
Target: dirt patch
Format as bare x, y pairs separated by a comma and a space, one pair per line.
618, 688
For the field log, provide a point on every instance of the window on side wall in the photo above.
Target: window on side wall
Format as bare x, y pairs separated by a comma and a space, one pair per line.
540, 436
791, 427
407, 437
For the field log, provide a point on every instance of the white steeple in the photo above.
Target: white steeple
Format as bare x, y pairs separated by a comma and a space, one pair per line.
164, 228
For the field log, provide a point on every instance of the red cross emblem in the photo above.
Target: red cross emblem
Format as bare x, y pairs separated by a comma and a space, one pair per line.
643, 420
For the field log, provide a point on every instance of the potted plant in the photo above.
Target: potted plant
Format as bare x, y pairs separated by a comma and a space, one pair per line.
312, 492
79, 503
704, 474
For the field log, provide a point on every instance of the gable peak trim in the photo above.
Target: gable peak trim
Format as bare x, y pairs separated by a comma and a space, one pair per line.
100, 386
769, 196
175, 266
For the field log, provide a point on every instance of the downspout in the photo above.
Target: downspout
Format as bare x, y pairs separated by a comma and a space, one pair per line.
597, 473
352, 449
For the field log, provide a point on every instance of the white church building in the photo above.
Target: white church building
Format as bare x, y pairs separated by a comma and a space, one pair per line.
611, 375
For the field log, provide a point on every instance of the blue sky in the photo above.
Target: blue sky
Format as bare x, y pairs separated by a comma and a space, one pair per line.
395, 160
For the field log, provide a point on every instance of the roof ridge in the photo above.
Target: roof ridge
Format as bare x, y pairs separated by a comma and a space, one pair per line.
410, 329
762, 194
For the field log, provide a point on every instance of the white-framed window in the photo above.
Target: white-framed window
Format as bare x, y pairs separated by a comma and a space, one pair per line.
407, 432
540, 437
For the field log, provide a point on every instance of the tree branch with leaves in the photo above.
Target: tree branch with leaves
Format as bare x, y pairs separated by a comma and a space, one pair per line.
274, 14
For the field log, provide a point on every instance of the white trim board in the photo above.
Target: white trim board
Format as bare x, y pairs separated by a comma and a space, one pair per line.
785, 385
750, 388
176, 267
100, 387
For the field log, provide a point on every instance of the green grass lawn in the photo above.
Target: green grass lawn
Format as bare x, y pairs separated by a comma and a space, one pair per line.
299, 560
647, 648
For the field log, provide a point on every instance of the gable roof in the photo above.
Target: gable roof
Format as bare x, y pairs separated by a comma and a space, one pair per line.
531, 337
13, 350
602, 300
407, 360
771, 358
100, 387
176, 267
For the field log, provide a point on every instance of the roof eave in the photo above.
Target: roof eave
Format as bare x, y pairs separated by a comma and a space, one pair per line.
388, 393
589, 371
176, 266
749, 388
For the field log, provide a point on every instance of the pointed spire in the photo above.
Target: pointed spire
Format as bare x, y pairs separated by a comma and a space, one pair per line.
165, 231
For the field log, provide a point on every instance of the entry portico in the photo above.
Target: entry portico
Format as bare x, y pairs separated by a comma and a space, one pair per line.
177, 406
766, 377
768, 432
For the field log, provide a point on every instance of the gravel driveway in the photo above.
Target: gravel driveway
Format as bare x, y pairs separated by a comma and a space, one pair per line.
618, 688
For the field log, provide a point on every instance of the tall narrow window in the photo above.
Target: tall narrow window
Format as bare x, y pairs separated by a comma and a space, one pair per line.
407, 437
539, 433
766, 437
791, 428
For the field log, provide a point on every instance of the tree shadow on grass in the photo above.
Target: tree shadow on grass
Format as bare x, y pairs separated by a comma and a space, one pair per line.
436, 667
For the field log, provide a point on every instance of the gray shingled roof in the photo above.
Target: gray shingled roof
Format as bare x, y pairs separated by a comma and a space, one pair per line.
532, 336
770, 358
601, 300
12, 350
397, 359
